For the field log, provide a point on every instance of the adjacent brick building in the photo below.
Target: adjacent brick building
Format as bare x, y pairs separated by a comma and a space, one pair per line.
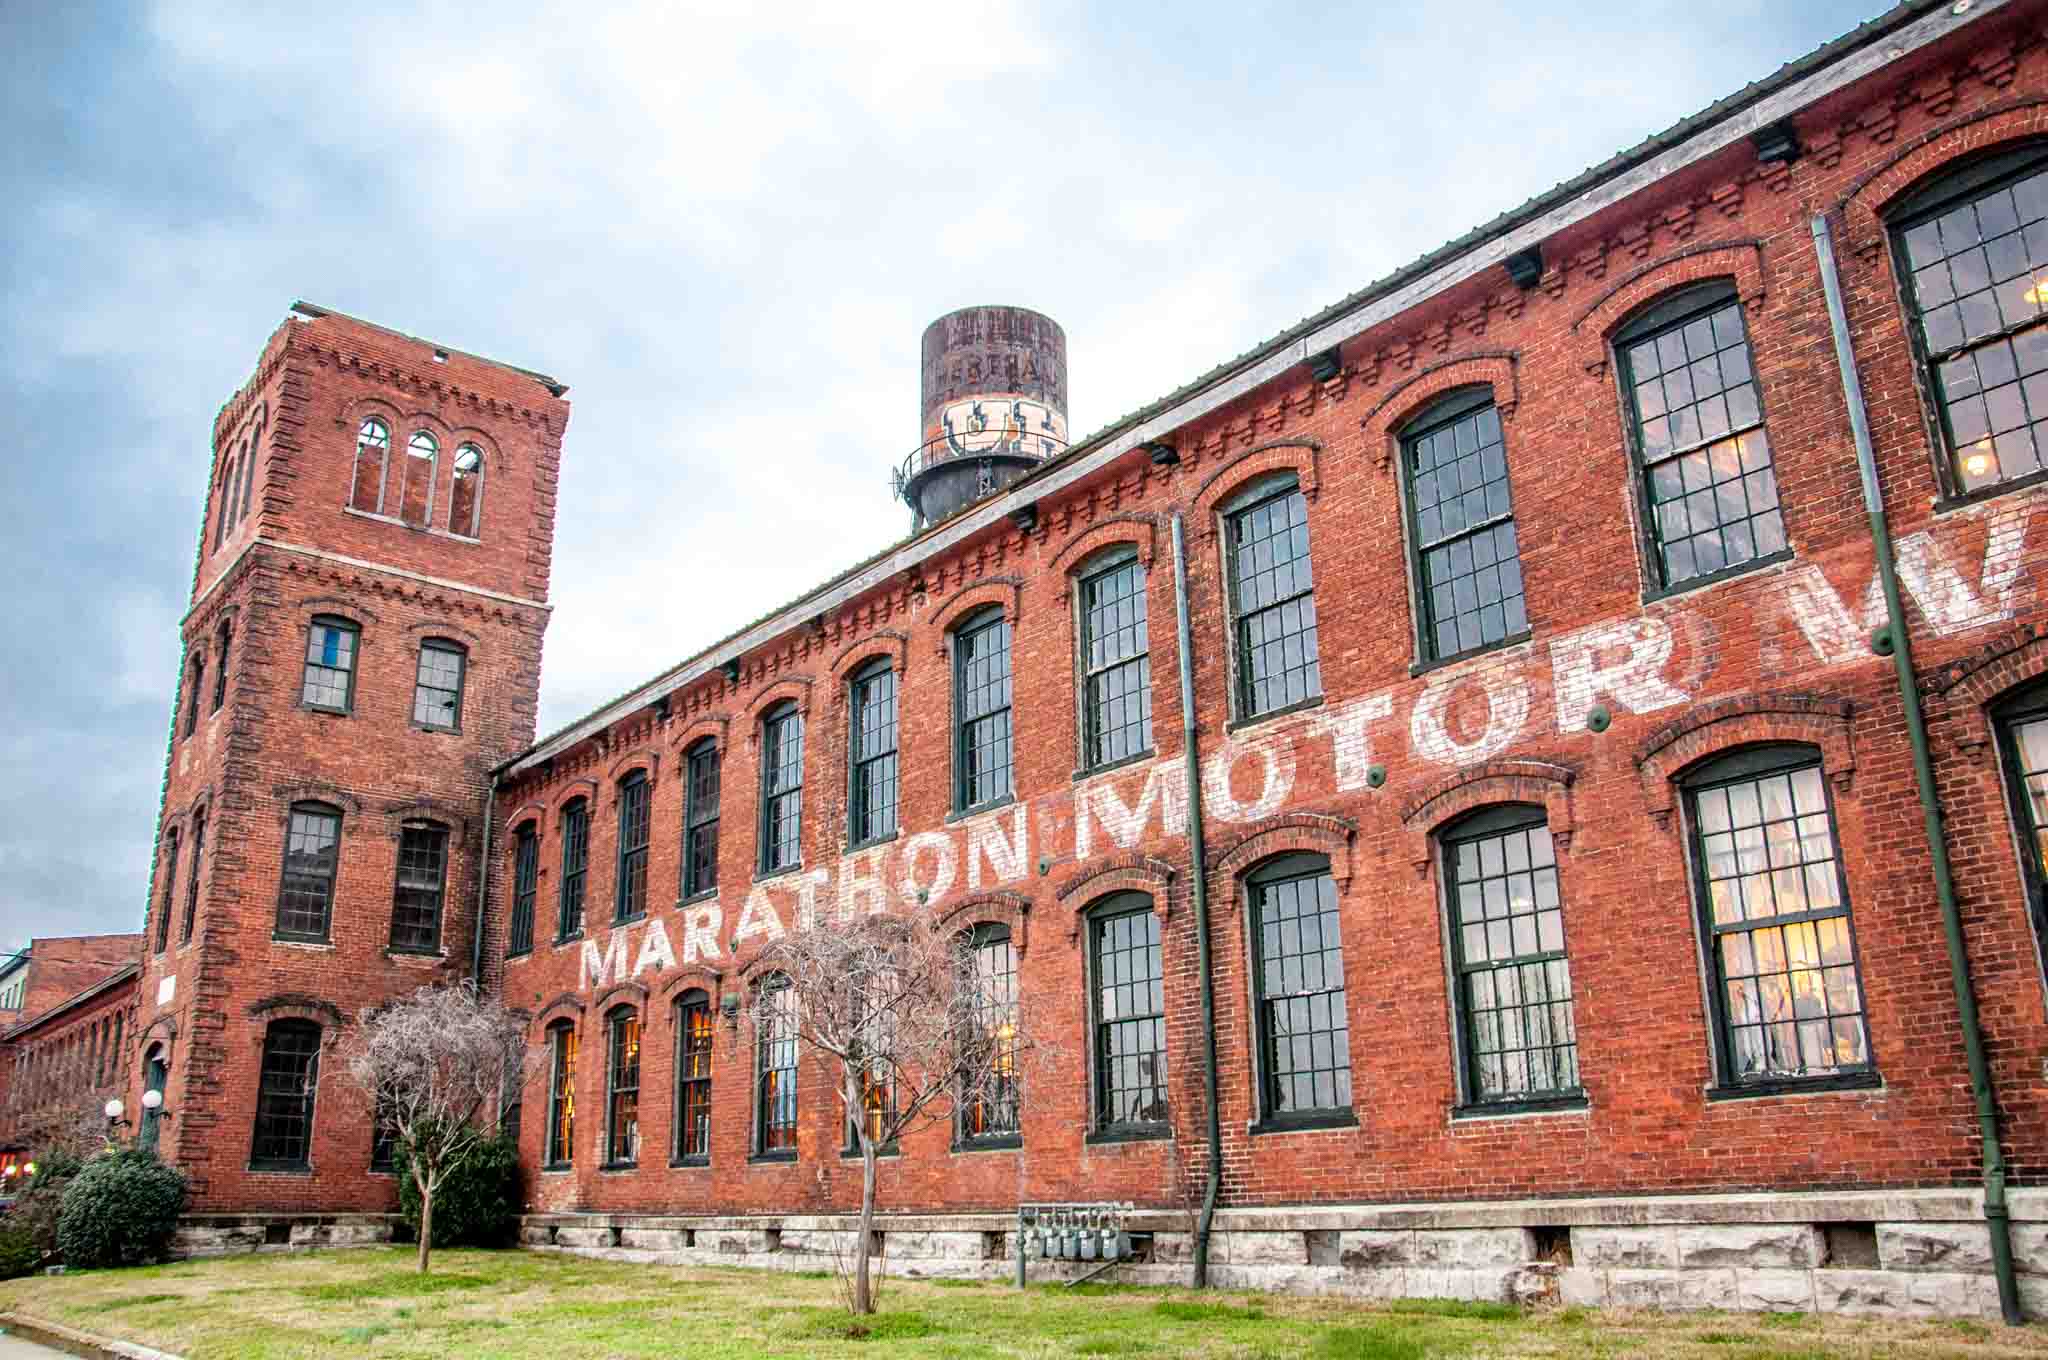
63, 1043
1574, 927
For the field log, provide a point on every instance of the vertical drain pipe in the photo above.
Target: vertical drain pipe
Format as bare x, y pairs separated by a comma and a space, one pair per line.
1996, 1217
1197, 859
483, 889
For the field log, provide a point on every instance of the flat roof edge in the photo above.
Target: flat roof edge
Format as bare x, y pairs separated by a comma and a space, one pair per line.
311, 311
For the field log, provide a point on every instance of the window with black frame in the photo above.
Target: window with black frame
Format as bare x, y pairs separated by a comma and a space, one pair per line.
700, 819
1461, 523
284, 1100
156, 1075
982, 751
1971, 249
872, 752
988, 1108
561, 1094
1304, 1023
693, 1079
622, 1090
330, 678
383, 1136
525, 883
312, 855
775, 1052
575, 864
1272, 601
1129, 1005
1116, 664
1517, 1032
437, 686
422, 880
170, 893
782, 789
2022, 721
192, 690
224, 637
630, 894
1787, 993
1708, 487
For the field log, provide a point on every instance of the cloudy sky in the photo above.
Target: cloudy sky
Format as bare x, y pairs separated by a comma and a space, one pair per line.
725, 228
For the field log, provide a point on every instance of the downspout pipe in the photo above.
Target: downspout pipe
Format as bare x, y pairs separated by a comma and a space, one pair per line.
1996, 1214
483, 889
1198, 870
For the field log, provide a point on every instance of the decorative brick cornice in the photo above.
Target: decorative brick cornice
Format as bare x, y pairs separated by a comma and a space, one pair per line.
1862, 206
1007, 591
1302, 456
1741, 259
886, 643
1141, 530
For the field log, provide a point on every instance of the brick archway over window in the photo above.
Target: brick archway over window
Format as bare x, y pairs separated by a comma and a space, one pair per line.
1130, 871
1006, 591
1302, 457
564, 1006
1960, 693
1744, 720
1493, 782
1740, 260
1494, 369
1011, 909
1862, 207
1313, 832
1140, 530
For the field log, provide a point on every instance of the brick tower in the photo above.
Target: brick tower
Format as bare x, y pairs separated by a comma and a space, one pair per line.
363, 645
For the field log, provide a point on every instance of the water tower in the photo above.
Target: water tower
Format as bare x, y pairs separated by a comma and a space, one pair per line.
994, 404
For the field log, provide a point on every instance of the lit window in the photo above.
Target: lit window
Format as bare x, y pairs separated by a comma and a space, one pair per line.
330, 682
1462, 524
305, 897
575, 859
982, 754
1129, 1014
775, 1049
1272, 603
693, 1078
562, 1096
700, 820
873, 751
1298, 983
525, 881
284, 1099
465, 496
782, 789
622, 1114
989, 1107
631, 895
373, 448
1116, 667
437, 687
416, 501
422, 875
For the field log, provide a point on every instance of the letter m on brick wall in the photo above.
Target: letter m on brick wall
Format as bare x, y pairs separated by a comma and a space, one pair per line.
599, 969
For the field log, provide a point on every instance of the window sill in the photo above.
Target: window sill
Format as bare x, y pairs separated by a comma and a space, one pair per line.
980, 809
1305, 1123
995, 1142
1497, 1109
1298, 706
612, 1168
1512, 640
873, 841
780, 1157
514, 955
432, 730
636, 917
1962, 500
1109, 765
400, 951
324, 710
689, 1163
1799, 1086
557, 1168
303, 941
852, 1154
1128, 1133
561, 940
280, 1168
701, 895
781, 871
1714, 578
397, 523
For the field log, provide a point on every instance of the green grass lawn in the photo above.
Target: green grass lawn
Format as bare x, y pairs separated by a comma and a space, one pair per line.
485, 1304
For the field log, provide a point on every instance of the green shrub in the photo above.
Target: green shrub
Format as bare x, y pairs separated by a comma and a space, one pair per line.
478, 1202
19, 1254
120, 1210
35, 1211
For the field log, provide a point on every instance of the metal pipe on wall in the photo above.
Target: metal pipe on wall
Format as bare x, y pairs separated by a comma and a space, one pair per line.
1996, 1214
483, 889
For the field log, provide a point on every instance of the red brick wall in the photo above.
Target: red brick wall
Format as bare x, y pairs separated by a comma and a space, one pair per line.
60, 968
1757, 657
207, 1002
70, 1060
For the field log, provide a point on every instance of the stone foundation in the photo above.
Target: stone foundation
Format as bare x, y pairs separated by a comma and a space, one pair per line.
228, 1234
1918, 1253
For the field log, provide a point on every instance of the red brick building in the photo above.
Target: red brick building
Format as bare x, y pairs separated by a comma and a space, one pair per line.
63, 1043
1572, 920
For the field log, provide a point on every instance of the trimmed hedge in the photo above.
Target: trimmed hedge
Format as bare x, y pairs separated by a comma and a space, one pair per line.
42, 1199
120, 1210
477, 1205
19, 1254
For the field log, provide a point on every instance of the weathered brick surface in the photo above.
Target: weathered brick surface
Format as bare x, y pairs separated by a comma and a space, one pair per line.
71, 1055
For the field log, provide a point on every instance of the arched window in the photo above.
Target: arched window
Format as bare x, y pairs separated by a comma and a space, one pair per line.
1127, 1004
775, 1052
192, 691
466, 492
988, 1108
422, 880
871, 751
192, 885
330, 678
373, 450
225, 484
2022, 722
782, 789
437, 685
156, 1073
630, 891
1116, 662
238, 489
251, 452
983, 751
1972, 252
416, 499
220, 664
170, 897
1787, 996
561, 1094
575, 860
622, 1089
693, 1079
1302, 1012
1517, 1034
1461, 528
312, 855
1272, 598
284, 1098
525, 881
700, 819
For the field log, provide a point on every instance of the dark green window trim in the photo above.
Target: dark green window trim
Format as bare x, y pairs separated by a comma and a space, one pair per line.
2021, 719
984, 732
1464, 555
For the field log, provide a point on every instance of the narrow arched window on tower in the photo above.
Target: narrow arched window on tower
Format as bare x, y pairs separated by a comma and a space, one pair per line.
416, 500
373, 445
466, 492
220, 665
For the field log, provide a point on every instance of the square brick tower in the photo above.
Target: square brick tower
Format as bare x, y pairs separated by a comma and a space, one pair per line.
363, 646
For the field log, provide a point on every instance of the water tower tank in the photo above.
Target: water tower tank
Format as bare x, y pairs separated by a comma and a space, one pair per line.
994, 405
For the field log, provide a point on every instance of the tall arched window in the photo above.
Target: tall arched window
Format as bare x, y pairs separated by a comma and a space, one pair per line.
192, 886
312, 854
988, 1109
871, 752
561, 1094
251, 453
284, 1099
575, 861
983, 746
1272, 597
1116, 662
220, 664
622, 1089
525, 878
170, 897
422, 882
192, 690
1461, 523
416, 498
630, 894
2022, 721
1302, 1011
373, 451
466, 492
156, 1074
693, 1079
782, 789
225, 485
1127, 1004
700, 819
775, 1051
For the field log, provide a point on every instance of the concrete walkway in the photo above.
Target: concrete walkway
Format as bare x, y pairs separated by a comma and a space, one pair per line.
14, 1348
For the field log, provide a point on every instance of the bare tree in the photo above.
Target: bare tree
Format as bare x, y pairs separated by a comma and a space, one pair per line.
436, 1067
912, 1023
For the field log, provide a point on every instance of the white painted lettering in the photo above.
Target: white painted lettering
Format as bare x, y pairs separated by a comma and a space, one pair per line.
758, 917
655, 952
1507, 709
945, 866
1275, 753
1348, 728
700, 932
1634, 680
1007, 850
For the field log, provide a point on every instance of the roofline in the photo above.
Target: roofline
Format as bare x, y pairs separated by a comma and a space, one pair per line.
555, 388
1909, 27
120, 975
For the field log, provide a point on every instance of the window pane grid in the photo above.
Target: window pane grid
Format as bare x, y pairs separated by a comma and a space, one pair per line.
1707, 469
284, 1099
874, 756
1521, 1035
575, 860
562, 1100
312, 853
1130, 1020
437, 695
693, 1081
525, 878
622, 1126
1117, 694
992, 1110
982, 699
2030, 745
1465, 535
775, 1072
700, 822
330, 666
422, 870
1791, 998
1304, 1025
631, 896
1271, 598
782, 790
